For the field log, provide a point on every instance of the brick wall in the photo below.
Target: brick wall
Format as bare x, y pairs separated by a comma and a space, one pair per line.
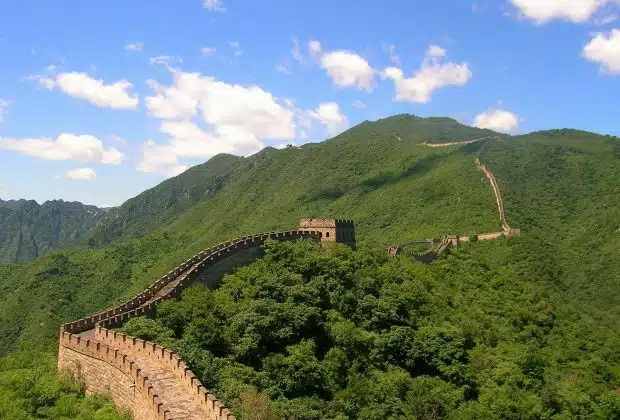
109, 362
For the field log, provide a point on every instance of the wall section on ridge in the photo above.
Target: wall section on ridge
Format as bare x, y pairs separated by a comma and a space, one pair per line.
109, 362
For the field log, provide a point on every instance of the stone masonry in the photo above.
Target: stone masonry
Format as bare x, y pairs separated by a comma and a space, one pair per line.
149, 380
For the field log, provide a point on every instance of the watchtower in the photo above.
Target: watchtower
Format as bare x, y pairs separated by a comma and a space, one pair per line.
332, 230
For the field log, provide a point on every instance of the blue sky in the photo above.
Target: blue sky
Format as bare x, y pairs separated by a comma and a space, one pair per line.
101, 100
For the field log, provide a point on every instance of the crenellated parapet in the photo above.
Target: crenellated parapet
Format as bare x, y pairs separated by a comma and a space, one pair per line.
146, 404
135, 347
115, 363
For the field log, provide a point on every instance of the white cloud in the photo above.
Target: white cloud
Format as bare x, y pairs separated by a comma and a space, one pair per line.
359, 104
314, 47
66, 146
543, 11
203, 117
134, 47
207, 51
236, 48
605, 20
296, 51
85, 174
497, 120
286, 65
4, 106
44, 81
436, 51
117, 140
390, 49
284, 68
346, 69
117, 95
329, 114
604, 49
165, 60
432, 75
214, 6
174, 102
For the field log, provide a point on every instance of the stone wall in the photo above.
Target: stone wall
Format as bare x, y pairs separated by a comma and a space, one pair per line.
132, 346
117, 364
107, 371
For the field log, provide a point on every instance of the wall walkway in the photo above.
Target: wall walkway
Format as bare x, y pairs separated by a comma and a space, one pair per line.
149, 380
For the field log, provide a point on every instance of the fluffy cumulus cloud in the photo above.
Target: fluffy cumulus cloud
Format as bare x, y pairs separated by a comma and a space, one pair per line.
66, 146
497, 120
346, 69
433, 74
4, 106
85, 174
116, 95
202, 116
604, 49
543, 11
329, 114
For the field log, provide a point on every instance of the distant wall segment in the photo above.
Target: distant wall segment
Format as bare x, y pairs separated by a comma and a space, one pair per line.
143, 377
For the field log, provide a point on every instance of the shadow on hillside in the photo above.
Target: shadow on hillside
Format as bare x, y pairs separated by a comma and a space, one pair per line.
330, 193
471, 148
417, 168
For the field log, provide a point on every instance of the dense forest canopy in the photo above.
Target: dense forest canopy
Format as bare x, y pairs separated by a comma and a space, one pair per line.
316, 332
519, 328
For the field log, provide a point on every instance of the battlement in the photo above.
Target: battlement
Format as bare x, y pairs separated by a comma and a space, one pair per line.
316, 223
114, 363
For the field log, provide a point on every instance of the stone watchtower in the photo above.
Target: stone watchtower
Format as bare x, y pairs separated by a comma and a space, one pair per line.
332, 230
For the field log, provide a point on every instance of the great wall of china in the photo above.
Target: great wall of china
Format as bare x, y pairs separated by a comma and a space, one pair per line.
153, 382
444, 244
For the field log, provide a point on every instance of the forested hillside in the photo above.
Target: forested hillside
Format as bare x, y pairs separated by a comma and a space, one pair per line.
28, 230
394, 188
157, 206
518, 328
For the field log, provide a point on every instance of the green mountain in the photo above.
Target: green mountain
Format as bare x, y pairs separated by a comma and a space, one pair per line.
28, 230
157, 206
168, 200
536, 316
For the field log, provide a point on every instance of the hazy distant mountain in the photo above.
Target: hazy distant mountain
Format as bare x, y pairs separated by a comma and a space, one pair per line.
29, 229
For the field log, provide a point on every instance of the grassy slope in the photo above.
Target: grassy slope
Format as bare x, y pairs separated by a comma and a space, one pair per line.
395, 190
